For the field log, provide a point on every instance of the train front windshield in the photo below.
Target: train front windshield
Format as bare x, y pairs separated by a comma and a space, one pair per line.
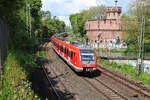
87, 56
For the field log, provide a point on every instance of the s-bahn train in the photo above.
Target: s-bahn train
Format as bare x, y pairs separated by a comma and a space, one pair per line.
81, 58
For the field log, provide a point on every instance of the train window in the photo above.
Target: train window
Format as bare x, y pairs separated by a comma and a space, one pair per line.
71, 54
63, 49
67, 52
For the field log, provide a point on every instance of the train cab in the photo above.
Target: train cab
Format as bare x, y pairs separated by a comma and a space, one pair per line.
88, 59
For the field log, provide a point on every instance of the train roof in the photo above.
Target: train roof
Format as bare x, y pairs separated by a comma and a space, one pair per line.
75, 43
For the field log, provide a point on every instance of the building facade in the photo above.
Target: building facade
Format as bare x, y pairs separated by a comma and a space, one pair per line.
106, 32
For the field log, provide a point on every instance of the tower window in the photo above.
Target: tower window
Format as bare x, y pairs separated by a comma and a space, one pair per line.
104, 21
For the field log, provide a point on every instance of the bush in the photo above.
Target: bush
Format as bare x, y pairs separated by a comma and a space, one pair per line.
20, 62
15, 83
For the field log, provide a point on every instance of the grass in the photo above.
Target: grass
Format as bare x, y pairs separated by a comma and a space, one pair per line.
15, 84
79, 39
127, 69
0, 84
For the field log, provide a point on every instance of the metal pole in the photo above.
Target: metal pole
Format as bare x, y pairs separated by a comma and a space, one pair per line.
98, 44
143, 29
141, 46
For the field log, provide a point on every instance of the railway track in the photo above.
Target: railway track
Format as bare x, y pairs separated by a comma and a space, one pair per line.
51, 84
104, 89
124, 81
59, 96
108, 92
56, 94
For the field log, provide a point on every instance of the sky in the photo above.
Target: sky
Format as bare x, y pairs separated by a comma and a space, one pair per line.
64, 8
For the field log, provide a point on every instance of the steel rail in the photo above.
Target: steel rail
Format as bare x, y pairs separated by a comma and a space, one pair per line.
114, 91
123, 81
98, 90
57, 94
50, 82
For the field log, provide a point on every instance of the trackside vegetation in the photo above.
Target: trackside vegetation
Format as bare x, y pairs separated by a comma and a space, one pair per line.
23, 48
126, 69
16, 84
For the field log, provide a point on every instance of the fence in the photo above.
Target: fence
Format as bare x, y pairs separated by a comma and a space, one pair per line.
3, 46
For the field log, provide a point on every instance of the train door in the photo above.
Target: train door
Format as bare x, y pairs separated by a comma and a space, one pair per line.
58, 48
63, 51
65, 54
72, 57
69, 55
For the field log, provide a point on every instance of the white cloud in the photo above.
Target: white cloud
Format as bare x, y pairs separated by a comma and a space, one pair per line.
68, 6
63, 8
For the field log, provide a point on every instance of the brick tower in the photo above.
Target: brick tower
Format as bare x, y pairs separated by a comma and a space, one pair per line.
105, 31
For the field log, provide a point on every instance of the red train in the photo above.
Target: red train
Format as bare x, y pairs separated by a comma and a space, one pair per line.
80, 57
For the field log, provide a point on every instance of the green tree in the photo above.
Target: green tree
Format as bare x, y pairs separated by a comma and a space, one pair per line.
51, 25
130, 27
68, 29
20, 46
35, 12
78, 20
98, 12
131, 23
